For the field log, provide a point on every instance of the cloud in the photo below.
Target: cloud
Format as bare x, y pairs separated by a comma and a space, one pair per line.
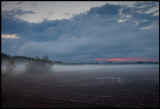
18, 12
41, 9
97, 41
9, 36
148, 27
148, 7
121, 20
66, 14
36, 12
87, 36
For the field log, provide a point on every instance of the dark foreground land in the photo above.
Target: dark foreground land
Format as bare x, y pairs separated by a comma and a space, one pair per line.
98, 88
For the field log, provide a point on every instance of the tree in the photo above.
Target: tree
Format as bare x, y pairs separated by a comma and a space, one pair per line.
10, 67
37, 57
45, 57
38, 66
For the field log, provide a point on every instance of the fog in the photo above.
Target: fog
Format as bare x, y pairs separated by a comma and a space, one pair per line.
84, 74
105, 68
22, 68
109, 74
19, 68
10, 68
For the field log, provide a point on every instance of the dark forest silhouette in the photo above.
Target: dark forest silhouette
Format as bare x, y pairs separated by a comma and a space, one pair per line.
32, 65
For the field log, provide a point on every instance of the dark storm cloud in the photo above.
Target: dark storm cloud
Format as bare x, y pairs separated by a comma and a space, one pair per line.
87, 36
108, 9
12, 26
13, 13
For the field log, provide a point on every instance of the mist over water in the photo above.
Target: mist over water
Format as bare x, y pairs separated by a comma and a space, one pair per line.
20, 68
106, 68
87, 74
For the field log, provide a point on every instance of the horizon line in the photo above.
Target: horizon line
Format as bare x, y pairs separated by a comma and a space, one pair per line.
128, 59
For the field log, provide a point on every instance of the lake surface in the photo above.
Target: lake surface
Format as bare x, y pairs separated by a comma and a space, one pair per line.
84, 86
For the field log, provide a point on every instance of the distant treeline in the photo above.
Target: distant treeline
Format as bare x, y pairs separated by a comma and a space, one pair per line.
8, 57
104, 63
45, 59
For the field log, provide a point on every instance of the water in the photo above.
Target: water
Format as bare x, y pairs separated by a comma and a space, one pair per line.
84, 85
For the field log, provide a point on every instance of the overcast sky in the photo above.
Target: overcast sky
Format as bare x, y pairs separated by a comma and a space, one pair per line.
81, 31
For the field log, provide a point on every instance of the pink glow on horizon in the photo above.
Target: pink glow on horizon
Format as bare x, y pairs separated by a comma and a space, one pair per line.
128, 59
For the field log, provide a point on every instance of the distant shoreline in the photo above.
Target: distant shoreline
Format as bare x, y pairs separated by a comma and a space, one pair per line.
114, 63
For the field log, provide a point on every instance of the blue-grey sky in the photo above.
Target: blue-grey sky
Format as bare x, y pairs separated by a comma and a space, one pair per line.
81, 31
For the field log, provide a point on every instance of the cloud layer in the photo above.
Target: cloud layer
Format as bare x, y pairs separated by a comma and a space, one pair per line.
36, 12
108, 31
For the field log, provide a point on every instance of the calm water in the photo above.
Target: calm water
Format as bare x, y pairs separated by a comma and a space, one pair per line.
83, 86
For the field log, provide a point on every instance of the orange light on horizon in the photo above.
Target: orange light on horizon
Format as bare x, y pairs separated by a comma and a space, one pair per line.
9, 36
128, 59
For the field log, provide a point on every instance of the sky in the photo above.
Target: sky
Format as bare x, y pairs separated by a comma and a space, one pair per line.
81, 31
